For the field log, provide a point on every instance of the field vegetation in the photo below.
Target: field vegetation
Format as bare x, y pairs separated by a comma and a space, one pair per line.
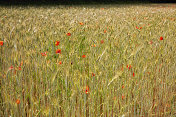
88, 61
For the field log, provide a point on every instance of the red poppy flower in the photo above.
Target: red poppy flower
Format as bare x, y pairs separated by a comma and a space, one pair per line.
138, 27
83, 56
18, 101
11, 67
19, 68
161, 38
86, 89
129, 67
43, 54
133, 74
93, 74
21, 63
123, 97
105, 31
60, 62
81, 23
102, 41
57, 43
93, 45
58, 51
122, 86
68, 34
1, 43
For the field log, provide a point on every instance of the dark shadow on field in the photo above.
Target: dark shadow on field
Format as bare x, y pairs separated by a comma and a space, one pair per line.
79, 2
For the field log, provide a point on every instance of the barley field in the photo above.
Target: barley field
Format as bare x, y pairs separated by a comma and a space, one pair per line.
88, 61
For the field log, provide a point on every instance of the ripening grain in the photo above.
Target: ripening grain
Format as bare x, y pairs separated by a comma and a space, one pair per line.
64, 61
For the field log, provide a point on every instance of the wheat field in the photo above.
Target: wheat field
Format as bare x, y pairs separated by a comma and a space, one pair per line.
88, 61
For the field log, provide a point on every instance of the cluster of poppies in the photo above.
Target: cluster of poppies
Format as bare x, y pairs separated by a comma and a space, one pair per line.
58, 51
129, 67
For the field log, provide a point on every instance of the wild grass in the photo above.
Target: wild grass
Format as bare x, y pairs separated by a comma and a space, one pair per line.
130, 73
